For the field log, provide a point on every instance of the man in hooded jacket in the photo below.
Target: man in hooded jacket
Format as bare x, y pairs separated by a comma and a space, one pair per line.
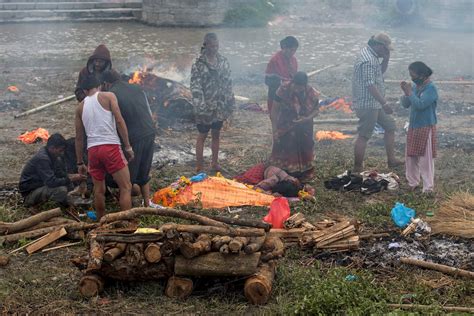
97, 63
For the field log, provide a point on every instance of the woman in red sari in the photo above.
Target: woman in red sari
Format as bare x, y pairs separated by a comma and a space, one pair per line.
296, 104
281, 68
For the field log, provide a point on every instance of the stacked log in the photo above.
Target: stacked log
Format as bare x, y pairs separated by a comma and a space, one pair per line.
45, 228
180, 252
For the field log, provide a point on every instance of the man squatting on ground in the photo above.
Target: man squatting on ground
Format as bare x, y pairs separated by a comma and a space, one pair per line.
136, 112
98, 117
44, 177
368, 97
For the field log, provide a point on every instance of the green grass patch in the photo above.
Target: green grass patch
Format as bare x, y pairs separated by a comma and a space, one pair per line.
310, 291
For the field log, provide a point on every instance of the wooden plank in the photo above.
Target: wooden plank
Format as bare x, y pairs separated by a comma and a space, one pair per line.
24, 246
286, 233
50, 238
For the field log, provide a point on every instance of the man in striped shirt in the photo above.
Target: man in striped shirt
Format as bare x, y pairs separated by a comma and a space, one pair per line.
368, 97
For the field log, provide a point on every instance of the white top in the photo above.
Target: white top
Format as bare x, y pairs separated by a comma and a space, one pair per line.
99, 123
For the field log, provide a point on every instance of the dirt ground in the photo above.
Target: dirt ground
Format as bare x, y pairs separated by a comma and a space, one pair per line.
44, 66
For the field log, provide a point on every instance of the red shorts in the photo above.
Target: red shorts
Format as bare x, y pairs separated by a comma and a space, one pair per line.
105, 159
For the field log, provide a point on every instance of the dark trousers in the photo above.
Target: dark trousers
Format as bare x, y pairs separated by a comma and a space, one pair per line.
43, 194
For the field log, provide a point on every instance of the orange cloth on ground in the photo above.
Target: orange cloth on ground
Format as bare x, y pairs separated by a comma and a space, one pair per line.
213, 192
31, 137
332, 135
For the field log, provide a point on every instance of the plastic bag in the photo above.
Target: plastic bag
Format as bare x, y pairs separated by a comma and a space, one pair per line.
279, 212
92, 215
401, 215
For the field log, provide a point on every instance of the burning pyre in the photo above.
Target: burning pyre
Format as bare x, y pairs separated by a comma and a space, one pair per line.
169, 100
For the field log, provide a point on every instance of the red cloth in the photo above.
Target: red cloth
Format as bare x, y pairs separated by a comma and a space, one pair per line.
253, 175
417, 139
281, 66
279, 212
105, 159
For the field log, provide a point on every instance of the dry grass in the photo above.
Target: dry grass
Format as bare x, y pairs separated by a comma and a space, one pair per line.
455, 216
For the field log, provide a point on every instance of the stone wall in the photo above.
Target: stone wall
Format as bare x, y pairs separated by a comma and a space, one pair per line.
187, 12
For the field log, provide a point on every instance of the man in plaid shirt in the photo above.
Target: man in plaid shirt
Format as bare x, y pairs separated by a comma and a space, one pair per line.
368, 97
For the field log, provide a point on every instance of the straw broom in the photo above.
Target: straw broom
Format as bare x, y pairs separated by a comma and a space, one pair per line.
455, 216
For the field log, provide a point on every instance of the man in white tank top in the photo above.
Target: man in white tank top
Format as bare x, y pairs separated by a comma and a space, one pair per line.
98, 117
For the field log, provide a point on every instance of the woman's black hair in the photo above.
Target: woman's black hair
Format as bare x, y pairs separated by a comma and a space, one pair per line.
289, 42
420, 69
300, 78
286, 188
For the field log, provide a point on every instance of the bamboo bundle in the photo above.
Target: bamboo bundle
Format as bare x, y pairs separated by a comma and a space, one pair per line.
294, 221
347, 243
324, 224
338, 237
455, 216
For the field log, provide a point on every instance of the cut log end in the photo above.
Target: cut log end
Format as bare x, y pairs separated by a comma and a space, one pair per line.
91, 285
179, 288
152, 253
4, 260
113, 253
257, 289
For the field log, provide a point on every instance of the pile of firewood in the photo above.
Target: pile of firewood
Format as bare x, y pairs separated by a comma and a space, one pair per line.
180, 252
328, 235
47, 227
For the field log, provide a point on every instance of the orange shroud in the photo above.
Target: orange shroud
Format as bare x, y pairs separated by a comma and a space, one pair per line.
213, 192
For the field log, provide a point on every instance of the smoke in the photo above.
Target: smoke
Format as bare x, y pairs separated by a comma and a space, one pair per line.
329, 32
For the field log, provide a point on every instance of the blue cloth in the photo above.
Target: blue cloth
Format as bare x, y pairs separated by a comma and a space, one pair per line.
422, 104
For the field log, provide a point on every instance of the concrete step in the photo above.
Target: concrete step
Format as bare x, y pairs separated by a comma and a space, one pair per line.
101, 1
8, 16
67, 5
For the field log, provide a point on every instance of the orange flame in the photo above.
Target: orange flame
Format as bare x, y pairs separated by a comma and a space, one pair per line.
332, 135
339, 104
13, 89
137, 77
